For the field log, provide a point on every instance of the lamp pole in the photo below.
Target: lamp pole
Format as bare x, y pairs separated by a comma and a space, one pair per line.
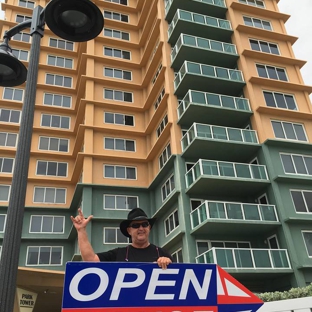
75, 17
15, 213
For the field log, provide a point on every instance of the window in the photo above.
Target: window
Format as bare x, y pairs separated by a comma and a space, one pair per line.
117, 34
55, 121
171, 222
57, 100
47, 224
122, 202
177, 256
263, 46
4, 192
256, 22
297, 164
21, 18
51, 168
119, 144
116, 16
2, 222
271, 72
24, 37
53, 144
58, 80
22, 55
157, 73
119, 119
49, 195
195, 203
257, 3
289, 131
160, 97
61, 44
165, 155
10, 115
280, 100
273, 242
189, 166
114, 236
44, 255
263, 199
124, 2
117, 53
26, 4
302, 200
6, 165
8, 139
60, 61
167, 188
13, 94
117, 73
119, 172
116, 95
162, 126
307, 237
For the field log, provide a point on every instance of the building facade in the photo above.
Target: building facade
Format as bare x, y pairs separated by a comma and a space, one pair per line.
193, 110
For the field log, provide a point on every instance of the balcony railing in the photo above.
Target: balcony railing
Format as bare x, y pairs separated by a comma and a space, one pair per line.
244, 258
218, 133
212, 210
212, 99
225, 169
220, 3
202, 43
207, 71
198, 19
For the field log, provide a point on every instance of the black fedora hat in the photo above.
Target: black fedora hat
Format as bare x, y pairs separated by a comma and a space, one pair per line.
136, 214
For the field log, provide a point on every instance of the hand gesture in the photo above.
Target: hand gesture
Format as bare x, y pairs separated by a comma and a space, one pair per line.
80, 222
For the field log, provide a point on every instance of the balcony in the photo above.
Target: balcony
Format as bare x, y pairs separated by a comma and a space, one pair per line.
247, 259
250, 219
213, 108
208, 78
222, 143
193, 24
203, 50
220, 178
214, 7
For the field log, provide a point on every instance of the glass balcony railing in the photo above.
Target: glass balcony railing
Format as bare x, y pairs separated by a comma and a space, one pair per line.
214, 168
218, 133
220, 3
212, 99
207, 71
198, 19
244, 258
232, 211
202, 43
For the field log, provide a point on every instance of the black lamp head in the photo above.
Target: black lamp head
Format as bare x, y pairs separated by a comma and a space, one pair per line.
74, 20
12, 71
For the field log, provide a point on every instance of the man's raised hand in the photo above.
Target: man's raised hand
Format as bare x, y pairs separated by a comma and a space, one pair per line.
80, 222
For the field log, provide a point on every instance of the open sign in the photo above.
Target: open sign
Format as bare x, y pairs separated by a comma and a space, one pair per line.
142, 287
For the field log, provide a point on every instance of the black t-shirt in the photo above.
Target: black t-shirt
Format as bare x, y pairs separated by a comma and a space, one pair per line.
132, 254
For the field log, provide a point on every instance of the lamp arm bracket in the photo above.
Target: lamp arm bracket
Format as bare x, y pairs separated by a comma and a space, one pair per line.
36, 24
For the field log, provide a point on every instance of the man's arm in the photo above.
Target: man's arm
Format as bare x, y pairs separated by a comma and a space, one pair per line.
86, 250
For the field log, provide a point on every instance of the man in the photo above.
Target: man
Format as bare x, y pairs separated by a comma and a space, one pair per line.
137, 227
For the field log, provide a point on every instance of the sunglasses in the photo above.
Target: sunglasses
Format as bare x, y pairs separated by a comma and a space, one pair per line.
137, 225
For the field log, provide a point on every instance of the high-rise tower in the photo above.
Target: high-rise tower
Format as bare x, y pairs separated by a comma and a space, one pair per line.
195, 111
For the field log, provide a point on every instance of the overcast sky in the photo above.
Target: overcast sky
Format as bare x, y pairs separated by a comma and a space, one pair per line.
299, 25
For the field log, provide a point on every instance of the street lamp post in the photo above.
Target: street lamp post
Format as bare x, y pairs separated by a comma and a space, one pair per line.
74, 20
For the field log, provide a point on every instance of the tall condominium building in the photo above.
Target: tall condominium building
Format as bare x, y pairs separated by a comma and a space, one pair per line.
195, 111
